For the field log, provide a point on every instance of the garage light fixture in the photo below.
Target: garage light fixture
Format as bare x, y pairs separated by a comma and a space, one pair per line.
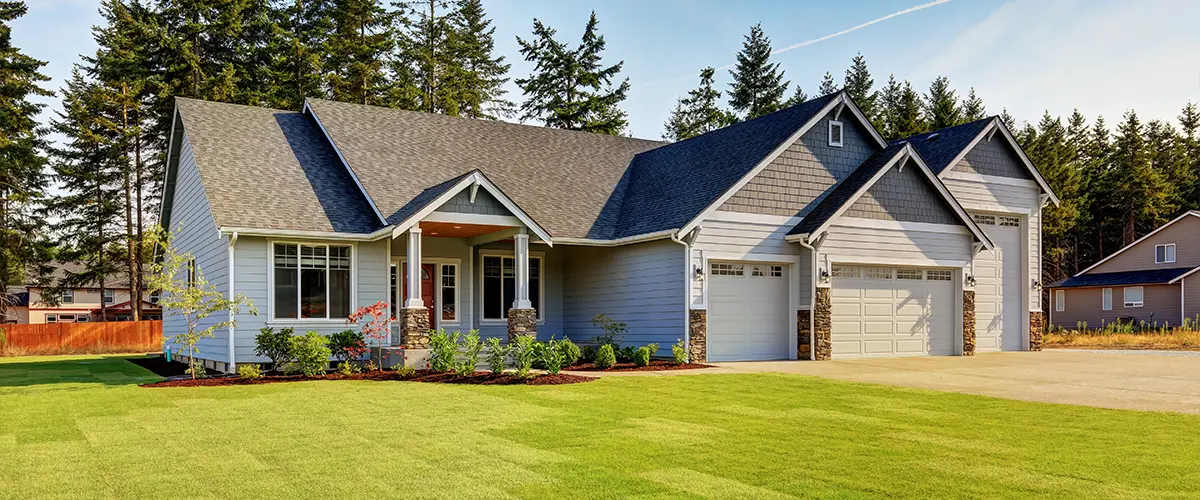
824, 276
699, 272
1036, 285
971, 281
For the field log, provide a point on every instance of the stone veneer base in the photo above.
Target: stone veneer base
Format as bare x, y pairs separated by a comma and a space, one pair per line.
822, 321
1037, 327
697, 335
968, 345
414, 327
522, 322
803, 334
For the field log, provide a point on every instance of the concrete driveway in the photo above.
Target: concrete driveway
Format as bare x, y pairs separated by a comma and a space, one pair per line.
1122, 381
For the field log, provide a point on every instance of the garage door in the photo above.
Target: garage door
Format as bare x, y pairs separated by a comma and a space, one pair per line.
883, 311
998, 324
748, 313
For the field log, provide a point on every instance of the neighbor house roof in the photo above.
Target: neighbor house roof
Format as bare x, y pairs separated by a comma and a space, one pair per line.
1189, 213
271, 169
62, 270
940, 147
1124, 278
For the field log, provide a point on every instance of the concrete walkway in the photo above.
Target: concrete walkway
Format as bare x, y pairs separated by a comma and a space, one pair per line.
1101, 379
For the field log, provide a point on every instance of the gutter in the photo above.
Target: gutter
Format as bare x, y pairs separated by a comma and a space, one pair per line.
812, 294
657, 235
687, 284
379, 234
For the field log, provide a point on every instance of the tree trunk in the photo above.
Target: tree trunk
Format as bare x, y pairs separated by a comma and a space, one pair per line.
131, 263
100, 253
140, 241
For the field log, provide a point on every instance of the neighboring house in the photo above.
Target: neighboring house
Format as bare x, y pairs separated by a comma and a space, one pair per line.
1152, 280
18, 306
738, 241
87, 302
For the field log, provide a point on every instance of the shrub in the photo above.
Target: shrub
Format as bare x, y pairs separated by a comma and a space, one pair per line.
552, 356
680, 353
274, 345
588, 354
539, 352
496, 355
442, 348
626, 354
522, 349
310, 354
347, 345
605, 357
471, 348
249, 372
613, 330
570, 352
347, 368
405, 371
642, 356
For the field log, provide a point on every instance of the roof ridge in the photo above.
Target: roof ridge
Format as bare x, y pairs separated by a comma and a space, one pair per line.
234, 104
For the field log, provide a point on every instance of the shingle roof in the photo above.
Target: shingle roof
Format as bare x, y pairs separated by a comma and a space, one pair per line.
846, 189
272, 169
1141, 277
940, 147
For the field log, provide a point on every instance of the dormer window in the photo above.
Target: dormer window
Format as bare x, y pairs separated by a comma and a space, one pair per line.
835, 133
1164, 254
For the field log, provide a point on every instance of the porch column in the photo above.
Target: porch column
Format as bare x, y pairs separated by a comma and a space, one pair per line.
414, 317
522, 318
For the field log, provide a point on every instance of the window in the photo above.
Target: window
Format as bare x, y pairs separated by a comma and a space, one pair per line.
1010, 221
82, 318
844, 272
758, 271
1133, 296
835, 133
450, 286
393, 291
68, 297
1164, 254
1106, 300
154, 297
984, 220
66, 318
500, 285
108, 296
191, 273
311, 281
776, 271
908, 274
52, 318
726, 269
1060, 300
939, 275
879, 273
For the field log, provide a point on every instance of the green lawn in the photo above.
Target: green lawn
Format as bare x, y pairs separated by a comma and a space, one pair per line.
80, 427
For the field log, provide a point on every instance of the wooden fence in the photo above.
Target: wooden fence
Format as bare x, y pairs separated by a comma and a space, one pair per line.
65, 338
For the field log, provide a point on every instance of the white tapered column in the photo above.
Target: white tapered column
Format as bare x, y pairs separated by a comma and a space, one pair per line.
521, 253
414, 269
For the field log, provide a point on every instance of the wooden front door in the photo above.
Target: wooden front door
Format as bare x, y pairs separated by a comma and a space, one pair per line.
427, 271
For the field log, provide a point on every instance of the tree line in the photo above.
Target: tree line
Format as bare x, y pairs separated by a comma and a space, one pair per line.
91, 196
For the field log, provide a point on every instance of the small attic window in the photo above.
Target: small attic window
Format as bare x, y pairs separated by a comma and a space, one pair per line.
835, 133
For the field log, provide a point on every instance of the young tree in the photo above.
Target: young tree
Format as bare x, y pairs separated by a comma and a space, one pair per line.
569, 88
859, 85
361, 41
699, 112
972, 108
828, 86
375, 321
194, 300
758, 86
941, 105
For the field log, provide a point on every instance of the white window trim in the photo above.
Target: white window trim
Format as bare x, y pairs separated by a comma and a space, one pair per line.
82, 318
1106, 299
272, 320
541, 315
841, 135
108, 296
401, 264
1060, 300
1128, 303
1165, 246
68, 297
51, 318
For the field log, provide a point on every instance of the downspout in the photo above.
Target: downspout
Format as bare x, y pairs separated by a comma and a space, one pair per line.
687, 284
231, 367
812, 298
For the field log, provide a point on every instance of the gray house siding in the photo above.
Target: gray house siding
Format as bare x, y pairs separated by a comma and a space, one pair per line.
451, 249
551, 322
485, 204
903, 194
1185, 234
1161, 304
994, 157
801, 176
641, 285
1191, 299
745, 240
195, 232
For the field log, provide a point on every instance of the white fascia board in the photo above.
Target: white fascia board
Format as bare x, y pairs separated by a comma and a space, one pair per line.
628, 240
862, 119
308, 109
476, 178
167, 171
898, 157
945, 192
987, 132
1139, 240
296, 233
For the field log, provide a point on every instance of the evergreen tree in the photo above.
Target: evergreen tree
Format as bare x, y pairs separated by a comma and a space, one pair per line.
1189, 121
483, 75
699, 112
758, 86
797, 97
1077, 140
1008, 119
1169, 156
888, 103
828, 86
972, 108
569, 88
22, 180
941, 105
426, 38
1139, 191
859, 85
359, 48
905, 119
299, 46
1055, 157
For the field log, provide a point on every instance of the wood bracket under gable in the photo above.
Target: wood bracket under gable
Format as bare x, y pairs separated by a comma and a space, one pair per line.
837, 112
474, 190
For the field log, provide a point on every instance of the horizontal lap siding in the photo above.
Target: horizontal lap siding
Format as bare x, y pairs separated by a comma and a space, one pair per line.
884, 246
738, 239
195, 232
552, 291
1191, 298
1160, 304
1185, 234
641, 285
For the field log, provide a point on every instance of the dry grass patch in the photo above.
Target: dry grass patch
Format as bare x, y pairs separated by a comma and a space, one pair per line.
1183, 340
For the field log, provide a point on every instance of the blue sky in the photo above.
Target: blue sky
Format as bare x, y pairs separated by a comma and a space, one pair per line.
1103, 57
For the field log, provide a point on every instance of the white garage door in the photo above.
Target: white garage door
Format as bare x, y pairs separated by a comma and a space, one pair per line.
883, 311
748, 313
998, 324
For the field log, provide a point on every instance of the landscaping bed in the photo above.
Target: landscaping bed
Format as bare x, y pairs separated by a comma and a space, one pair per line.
478, 378
1168, 340
655, 365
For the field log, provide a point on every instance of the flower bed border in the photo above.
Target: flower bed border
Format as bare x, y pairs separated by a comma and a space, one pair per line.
655, 365
478, 378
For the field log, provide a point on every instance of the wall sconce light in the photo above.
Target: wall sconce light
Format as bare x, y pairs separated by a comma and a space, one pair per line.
699, 273
1037, 286
824, 276
971, 281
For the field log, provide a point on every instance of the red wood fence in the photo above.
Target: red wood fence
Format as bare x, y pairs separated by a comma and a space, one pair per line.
114, 336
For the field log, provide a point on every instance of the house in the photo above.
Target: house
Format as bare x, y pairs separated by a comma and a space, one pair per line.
1152, 279
17, 306
801, 234
84, 303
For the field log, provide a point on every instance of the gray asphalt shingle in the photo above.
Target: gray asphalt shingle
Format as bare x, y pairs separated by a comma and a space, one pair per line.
940, 147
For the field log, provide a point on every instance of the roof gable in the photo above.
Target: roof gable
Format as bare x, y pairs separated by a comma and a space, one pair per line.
437, 196
1161, 229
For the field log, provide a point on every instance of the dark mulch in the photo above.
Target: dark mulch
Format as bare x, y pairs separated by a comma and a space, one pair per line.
160, 366
380, 375
655, 365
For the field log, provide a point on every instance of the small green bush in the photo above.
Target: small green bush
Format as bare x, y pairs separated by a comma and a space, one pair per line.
605, 357
496, 355
552, 356
348, 368
470, 352
570, 351
442, 349
347, 345
539, 352
310, 354
680, 353
642, 356
588, 354
274, 345
614, 331
249, 372
626, 354
522, 350
405, 371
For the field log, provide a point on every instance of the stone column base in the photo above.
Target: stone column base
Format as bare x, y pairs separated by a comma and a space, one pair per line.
697, 335
414, 327
803, 334
822, 321
1037, 327
968, 346
522, 322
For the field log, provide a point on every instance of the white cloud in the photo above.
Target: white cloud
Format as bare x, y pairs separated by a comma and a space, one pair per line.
1103, 58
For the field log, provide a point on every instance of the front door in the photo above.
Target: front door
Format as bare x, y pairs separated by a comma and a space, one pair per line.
426, 289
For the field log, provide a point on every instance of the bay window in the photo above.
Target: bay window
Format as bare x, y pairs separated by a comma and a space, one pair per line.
311, 281
500, 285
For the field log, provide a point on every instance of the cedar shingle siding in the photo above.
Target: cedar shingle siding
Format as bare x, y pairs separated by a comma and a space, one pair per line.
800, 177
993, 157
485, 204
903, 195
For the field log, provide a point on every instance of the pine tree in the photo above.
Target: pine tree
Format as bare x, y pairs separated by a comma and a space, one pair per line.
797, 97
941, 105
1055, 157
905, 119
888, 103
1077, 140
972, 108
1169, 156
1008, 119
1139, 192
828, 86
699, 112
1189, 121
357, 64
758, 86
299, 45
483, 73
22, 180
426, 39
569, 88
859, 84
